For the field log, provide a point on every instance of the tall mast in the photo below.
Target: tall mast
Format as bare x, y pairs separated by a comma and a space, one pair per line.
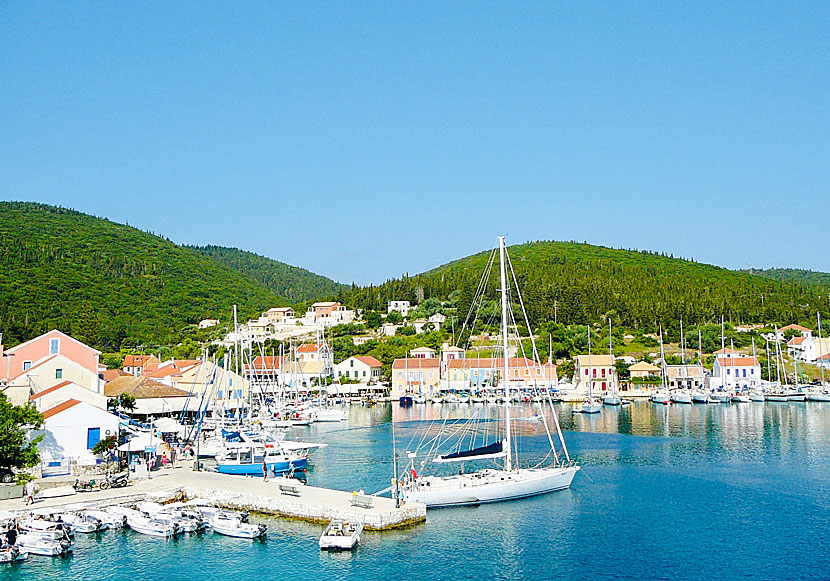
820, 349
682, 343
508, 461
590, 370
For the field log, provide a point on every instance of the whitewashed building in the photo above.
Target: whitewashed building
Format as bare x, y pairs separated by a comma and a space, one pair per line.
362, 368
71, 429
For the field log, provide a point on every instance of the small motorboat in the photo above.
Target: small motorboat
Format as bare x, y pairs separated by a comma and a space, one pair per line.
681, 397
661, 397
164, 513
11, 553
144, 525
591, 406
699, 397
42, 543
341, 536
108, 520
230, 525
611, 400
45, 523
82, 522
740, 398
756, 396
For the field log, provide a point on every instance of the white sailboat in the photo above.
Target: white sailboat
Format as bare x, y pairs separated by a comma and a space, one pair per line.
612, 397
492, 484
592, 405
820, 393
661, 395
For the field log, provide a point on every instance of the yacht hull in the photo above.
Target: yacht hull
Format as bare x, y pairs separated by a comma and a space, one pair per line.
487, 486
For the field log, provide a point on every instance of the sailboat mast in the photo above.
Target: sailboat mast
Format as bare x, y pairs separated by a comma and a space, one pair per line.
508, 460
820, 348
590, 370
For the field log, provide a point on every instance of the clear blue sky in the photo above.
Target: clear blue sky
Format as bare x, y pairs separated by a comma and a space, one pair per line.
365, 140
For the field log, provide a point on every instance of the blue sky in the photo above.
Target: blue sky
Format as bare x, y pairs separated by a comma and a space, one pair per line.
366, 140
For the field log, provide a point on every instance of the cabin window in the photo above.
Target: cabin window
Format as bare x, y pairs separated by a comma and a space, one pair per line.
244, 456
58, 373
54, 346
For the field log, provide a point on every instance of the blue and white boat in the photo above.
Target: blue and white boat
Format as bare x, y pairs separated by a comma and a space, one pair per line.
247, 458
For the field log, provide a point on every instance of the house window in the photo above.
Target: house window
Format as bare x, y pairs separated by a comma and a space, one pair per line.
27, 365
351, 363
58, 373
603, 372
230, 381
400, 374
54, 346
347, 373
595, 372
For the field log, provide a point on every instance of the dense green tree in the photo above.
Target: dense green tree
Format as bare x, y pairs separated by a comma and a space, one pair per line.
16, 450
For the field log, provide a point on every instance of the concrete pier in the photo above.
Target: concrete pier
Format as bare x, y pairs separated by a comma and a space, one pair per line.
253, 494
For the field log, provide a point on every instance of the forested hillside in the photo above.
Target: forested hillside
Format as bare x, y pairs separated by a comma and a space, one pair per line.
297, 284
581, 283
105, 283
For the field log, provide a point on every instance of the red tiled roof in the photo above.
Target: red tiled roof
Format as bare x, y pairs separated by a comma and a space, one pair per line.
138, 360
369, 360
59, 408
738, 362
491, 363
793, 328
266, 363
49, 390
308, 347
415, 363
111, 374
796, 341
725, 350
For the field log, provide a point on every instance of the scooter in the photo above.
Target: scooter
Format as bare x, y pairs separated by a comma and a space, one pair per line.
114, 481
83, 485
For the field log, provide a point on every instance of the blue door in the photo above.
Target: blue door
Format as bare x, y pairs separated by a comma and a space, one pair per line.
93, 436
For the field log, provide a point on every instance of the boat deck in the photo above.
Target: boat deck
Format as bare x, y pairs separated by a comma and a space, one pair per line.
237, 492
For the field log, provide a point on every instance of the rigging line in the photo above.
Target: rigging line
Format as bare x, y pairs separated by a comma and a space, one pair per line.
480, 289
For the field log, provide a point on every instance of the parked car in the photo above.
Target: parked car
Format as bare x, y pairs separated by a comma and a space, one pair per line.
6, 475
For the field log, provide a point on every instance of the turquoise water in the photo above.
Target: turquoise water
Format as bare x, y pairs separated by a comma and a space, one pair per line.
666, 492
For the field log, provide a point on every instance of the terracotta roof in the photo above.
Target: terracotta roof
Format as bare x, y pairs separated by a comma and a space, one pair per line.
415, 363
796, 341
422, 349
141, 388
738, 362
326, 304
59, 408
725, 350
308, 347
265, 363
49, 390
643, 366
492, 363
823, 357
138, 360
165, 371
35, 366
793, 328
369, 360
596, 360
111, 374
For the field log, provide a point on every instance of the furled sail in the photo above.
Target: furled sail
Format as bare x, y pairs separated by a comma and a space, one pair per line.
494, 450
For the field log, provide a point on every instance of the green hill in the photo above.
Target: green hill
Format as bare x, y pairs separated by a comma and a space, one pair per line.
297, 284
105, 283
795, 275
581, 283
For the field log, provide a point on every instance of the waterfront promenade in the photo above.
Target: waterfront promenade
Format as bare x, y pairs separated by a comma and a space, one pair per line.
297, 501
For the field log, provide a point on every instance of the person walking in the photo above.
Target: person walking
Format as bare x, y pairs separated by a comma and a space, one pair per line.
30, 492
264, 470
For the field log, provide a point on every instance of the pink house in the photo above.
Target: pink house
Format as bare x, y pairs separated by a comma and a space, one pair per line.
18, 359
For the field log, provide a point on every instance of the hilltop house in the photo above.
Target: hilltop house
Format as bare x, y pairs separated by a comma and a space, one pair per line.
800, 330
280, 315
400, 306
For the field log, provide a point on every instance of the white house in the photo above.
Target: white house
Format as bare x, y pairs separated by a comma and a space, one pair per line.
400, 306
208, 323
71, 429
422, 353
803, 331
735, 372
808, 348
363, 368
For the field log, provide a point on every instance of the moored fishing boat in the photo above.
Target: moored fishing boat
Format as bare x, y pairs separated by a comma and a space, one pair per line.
247, 458
40, 543
231, 525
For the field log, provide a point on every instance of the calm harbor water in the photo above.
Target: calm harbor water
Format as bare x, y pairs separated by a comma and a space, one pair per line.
666, 492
